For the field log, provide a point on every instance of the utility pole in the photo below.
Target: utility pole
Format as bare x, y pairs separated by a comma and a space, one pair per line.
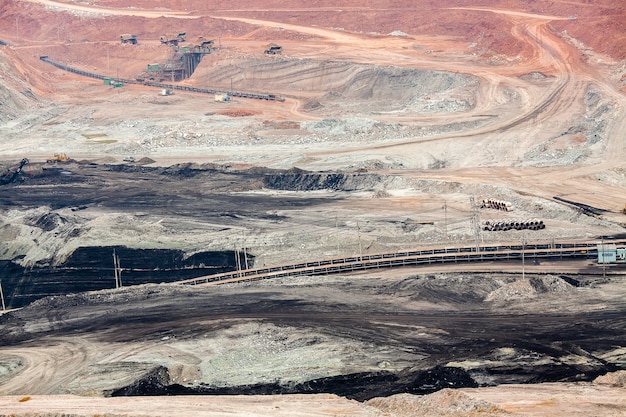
475, 222
117, 270
523, 262
245, 252
237, 260
117, 283
358, 232
337, 233
603, 260
2, 296
445, 219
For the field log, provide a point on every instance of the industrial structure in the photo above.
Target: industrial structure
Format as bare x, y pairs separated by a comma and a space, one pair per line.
435, 255
181, 66
609, 253
122, 81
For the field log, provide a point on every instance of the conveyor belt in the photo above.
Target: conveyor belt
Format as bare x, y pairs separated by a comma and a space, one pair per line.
568, 250
269, 97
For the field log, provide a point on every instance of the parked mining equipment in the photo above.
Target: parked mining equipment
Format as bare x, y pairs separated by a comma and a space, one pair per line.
128, 38
173, 38
273, 50
204, 43
58, 157
504, 225
496, 204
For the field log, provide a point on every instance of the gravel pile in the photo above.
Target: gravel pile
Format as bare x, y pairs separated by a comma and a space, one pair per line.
444, 403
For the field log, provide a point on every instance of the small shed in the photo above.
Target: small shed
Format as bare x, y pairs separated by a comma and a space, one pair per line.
607, 253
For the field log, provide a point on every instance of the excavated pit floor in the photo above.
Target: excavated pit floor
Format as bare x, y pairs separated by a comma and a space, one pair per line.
361, 336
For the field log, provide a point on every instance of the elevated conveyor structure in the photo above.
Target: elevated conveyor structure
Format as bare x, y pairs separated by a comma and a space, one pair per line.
269, 97
440, 255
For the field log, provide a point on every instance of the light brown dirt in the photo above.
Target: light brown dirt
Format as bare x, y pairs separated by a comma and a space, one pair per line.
511, 400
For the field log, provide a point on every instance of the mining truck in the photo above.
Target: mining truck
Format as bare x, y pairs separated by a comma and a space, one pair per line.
273, 50
128, 38
173, 39
205, 43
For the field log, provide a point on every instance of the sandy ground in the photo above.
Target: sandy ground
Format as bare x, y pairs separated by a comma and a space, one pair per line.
512, 400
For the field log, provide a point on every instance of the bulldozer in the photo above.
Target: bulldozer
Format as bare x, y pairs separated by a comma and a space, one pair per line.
58, 157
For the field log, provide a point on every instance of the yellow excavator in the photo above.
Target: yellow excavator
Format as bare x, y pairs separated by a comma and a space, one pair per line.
58, 157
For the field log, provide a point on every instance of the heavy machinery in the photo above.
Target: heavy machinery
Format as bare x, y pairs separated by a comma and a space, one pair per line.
273, 50
205, 43
128, 38
11, 174
173, 39
624, 209
58, 157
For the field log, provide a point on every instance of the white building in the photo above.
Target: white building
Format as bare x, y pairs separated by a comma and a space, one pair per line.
607, 253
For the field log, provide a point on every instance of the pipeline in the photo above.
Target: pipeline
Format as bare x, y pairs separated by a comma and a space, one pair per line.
496, 204
268, 97
504, 225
